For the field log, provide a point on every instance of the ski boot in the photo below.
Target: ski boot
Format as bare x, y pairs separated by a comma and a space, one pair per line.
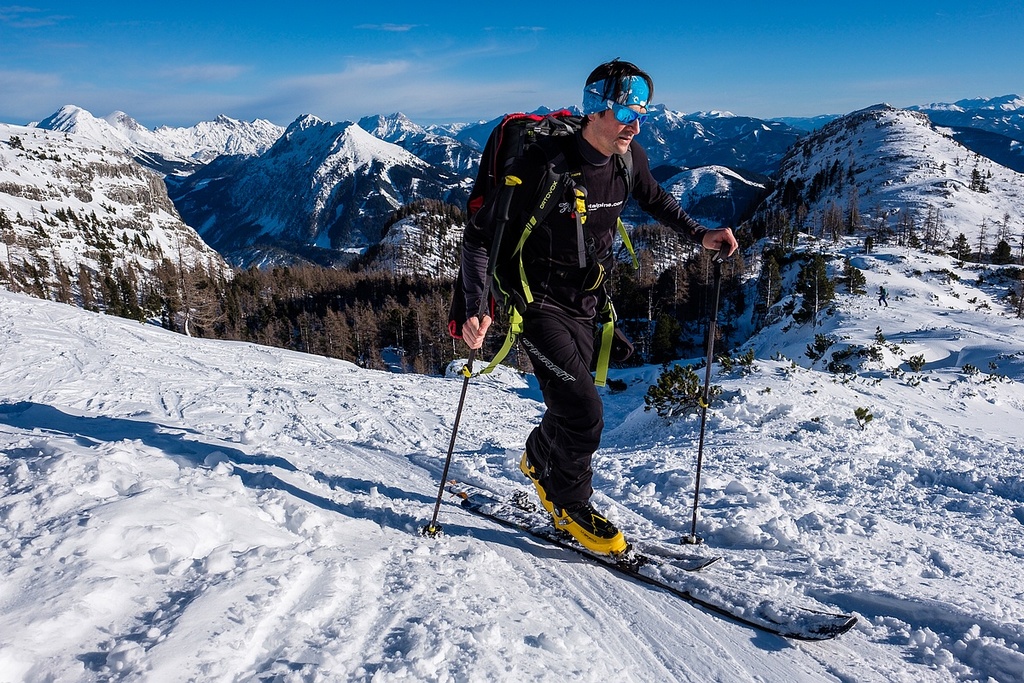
527, 468
590, 528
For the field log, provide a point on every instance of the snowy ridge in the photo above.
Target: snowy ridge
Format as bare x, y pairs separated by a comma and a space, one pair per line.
79, 122
1003, 115
178, 508
717, 196
71, 199
437, 148
166, 147
223, 135
329, 185
877, 157
410, 248
1006, 103
347, 148
394, 128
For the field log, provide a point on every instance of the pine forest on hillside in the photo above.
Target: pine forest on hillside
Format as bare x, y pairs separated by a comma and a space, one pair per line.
379, 320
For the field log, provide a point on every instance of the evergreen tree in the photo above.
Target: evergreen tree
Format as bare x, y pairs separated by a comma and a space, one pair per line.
1003, 254
982, 236
853, 211
961, 247
817, 289
665, 341
769, 287
855, 281
678, 391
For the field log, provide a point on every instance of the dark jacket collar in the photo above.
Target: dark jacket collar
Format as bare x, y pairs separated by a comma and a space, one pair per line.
589, 153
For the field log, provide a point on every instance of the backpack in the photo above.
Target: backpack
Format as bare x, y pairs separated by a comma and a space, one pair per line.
489, 197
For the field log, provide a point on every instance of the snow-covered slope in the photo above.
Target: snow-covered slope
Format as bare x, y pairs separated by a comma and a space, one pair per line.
73, 200
322, 186
181, 509
893, 162
717, 196
421, 244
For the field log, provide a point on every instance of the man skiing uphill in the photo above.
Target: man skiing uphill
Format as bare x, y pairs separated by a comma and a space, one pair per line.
564, 260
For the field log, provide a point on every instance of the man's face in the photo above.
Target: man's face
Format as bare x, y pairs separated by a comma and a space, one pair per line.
607, 135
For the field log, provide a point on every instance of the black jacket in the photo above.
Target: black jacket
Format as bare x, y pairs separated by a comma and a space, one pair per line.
550, 255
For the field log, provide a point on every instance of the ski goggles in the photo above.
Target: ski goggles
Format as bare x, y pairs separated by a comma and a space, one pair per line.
626, 116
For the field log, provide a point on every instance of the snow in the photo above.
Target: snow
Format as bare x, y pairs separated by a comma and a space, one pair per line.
884, 147
691, 185
201, 142
409, 249
184, 509
46, 173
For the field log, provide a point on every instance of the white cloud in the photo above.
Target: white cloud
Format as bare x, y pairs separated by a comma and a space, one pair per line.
394, 28
18, 16
205, 73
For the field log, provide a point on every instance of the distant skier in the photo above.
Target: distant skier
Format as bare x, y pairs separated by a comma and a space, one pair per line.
882, 294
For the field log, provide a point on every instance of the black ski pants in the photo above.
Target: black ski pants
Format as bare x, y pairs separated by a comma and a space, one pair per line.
561, 448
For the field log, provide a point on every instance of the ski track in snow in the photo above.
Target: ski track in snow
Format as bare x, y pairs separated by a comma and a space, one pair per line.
182, 509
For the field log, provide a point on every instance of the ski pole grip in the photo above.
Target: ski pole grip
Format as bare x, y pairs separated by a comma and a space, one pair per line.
506, 197
504, 202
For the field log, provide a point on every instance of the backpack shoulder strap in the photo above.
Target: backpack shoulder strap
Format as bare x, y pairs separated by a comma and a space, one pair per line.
625, 162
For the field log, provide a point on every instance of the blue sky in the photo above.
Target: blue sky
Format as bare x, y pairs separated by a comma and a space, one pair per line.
184, 62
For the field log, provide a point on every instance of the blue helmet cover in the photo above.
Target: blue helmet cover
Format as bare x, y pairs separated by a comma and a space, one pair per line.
634, 92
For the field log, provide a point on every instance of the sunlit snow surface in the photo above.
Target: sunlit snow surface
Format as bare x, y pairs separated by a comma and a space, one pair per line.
180, 509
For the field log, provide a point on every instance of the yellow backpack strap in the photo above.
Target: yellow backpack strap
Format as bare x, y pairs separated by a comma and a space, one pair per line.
629, 244
604, 352
550, 194
515, 327
527, 294
607, 327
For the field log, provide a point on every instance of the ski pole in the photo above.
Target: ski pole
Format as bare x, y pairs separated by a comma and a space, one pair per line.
433, 528
717, 259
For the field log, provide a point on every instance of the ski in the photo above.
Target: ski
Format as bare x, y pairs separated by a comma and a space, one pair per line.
518, 512
676, 572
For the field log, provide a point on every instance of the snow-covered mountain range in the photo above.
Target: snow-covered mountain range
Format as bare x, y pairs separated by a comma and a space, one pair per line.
320, 191
167, 150
442, 150
323, 189
1003, 115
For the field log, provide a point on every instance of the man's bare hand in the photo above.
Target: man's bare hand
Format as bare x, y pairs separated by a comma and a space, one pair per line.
474, 331
721, 240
